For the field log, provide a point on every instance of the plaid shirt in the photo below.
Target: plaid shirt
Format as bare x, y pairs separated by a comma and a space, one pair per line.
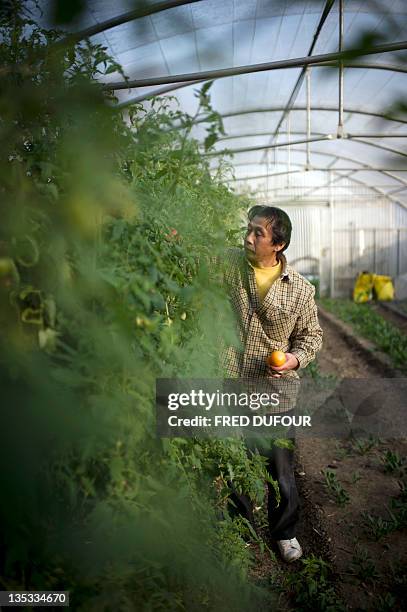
286, 320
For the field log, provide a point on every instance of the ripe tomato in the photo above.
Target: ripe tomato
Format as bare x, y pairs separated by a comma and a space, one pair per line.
276, 359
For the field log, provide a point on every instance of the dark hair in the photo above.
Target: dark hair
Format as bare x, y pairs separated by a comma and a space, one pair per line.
277, 219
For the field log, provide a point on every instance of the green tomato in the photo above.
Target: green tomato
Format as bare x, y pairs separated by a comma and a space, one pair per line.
8, 272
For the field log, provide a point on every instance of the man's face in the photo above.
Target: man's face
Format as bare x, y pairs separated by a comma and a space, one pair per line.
258, 242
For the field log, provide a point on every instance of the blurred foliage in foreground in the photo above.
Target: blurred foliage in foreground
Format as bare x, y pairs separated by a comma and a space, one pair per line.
108, 227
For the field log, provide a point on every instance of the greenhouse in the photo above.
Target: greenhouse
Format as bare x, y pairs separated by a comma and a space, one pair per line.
323, 141
203, 305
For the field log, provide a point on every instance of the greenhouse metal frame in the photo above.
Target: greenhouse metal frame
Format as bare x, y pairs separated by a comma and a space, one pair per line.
296, 161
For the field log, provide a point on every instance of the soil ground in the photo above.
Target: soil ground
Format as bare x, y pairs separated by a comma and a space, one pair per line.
369, 567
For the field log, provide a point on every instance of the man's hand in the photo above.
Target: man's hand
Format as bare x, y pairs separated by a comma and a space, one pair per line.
291, 363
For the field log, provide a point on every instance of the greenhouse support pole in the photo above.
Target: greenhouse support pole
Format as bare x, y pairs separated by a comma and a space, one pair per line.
276, 145
145, 10
331, 208
314, 168
308, 77
313, 188
320, 253
340, 101
398, 253
295, 62
351, 178
289, 146
393, 191
327, 8
158, 92
290, 133
319, 107
313, 139
374, 251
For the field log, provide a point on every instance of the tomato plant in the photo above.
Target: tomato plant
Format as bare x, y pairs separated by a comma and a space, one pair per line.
109, 226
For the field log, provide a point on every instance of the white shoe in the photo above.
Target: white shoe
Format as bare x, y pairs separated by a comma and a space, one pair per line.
290, 550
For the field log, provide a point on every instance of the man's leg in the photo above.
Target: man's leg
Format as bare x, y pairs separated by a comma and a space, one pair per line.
241, 505
283, 519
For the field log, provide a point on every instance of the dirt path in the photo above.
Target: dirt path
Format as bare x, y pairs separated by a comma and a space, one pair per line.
370, 567
359, 468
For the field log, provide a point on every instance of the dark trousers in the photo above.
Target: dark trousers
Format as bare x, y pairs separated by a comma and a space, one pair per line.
283, 517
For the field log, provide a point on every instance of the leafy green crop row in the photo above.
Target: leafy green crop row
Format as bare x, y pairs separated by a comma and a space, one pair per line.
373, 327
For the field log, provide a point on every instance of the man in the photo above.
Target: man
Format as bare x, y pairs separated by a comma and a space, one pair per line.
275, 310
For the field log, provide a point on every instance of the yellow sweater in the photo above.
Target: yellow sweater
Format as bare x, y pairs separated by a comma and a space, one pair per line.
265, 277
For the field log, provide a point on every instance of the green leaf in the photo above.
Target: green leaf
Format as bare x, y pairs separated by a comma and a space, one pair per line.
206, 87
210, 141
118, 229
111, 68
116, 468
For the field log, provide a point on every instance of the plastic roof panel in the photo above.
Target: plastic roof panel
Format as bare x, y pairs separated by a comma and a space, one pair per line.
243, 34
184, 52
244, 9
206, 14
181, 22
104, 9
265, 8
214, 34
132, 35
215, 46
148, 61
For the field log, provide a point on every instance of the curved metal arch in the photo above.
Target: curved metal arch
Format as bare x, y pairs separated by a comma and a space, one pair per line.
333, 109
167, 88
350, 136
304, 73
362, 65
363, 183
303, 169
256, 177
295, 62
328, 137
324, 154
315, 168
271, 146
144, 11
358, 181
251, 134
378, 146
379, 191
157, 92
338, 178
363, 165
376, 189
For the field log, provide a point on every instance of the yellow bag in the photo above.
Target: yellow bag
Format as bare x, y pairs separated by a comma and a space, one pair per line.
383, 288
363, 289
